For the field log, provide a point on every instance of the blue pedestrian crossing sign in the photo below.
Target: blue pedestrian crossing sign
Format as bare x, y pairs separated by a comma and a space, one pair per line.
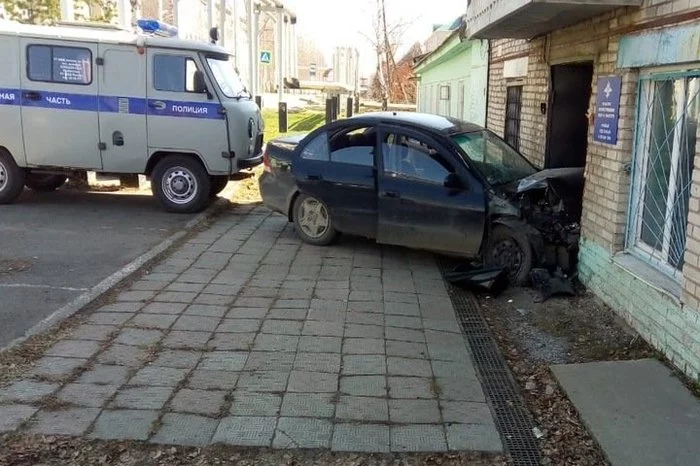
265, 56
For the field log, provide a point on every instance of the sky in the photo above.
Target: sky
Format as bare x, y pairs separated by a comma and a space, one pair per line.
332, 23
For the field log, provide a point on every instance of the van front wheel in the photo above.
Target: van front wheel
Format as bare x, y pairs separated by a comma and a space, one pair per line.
181, 184
11, 178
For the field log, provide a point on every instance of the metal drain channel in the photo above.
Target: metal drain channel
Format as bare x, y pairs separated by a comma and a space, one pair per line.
512, 418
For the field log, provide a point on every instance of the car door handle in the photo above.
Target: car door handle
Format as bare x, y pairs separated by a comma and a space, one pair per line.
392, 194
31, 95
314, 177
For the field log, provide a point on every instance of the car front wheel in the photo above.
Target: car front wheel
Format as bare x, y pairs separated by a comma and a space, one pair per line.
511, 250
181, 184
312, 221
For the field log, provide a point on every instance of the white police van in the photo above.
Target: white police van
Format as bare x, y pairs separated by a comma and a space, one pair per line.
78, 98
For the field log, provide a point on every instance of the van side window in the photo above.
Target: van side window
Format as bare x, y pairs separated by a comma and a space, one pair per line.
57, 64
173, 73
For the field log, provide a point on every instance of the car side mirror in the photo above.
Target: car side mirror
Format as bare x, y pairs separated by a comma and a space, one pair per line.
453, 183
200, 85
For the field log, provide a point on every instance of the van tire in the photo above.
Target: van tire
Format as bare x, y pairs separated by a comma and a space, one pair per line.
11, 178
181, 184
218, 184
44, 183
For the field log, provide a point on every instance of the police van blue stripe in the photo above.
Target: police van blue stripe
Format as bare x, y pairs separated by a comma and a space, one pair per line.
114, 104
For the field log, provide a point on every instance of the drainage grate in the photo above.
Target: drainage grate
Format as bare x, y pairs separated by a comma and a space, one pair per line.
512, 417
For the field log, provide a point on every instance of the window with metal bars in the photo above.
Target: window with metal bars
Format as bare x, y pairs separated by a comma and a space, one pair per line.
514, 102
666, 145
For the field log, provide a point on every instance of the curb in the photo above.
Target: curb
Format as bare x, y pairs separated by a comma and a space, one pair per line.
120, 275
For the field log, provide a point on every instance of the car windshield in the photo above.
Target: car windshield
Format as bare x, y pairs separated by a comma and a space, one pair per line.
495, 159
227, 77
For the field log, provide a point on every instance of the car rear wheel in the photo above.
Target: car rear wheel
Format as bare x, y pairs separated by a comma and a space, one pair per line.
312, 221
218, 184
511, 250
181, 184
43, 182
11, 178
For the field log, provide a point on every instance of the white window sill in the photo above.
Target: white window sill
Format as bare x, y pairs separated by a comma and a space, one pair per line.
649, 275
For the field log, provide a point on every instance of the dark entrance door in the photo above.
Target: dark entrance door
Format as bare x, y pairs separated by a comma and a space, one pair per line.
569, 99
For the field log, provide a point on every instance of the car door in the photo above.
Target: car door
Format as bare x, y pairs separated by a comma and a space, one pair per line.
180, 119
59, 104
338, 167
416, 208
122, 109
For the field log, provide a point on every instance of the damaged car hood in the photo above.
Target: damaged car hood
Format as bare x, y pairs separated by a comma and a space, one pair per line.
564, 177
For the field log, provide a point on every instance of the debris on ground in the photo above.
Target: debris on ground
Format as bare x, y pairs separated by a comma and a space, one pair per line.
551, 284
490, 280
559, 330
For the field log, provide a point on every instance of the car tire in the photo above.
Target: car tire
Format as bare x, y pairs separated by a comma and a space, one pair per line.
510, 249
12, 178
44, 183
181, 184
218, 184
312, 221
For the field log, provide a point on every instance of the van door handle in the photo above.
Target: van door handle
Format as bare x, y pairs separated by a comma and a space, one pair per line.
31, 95
157, 104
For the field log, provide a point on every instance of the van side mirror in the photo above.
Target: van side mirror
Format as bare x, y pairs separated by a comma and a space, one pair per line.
200, 85
453, 183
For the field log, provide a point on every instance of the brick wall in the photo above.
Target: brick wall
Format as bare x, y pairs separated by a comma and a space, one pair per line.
672, 324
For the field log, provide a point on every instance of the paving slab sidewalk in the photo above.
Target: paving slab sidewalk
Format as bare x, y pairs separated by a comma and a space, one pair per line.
639, 413
246, 336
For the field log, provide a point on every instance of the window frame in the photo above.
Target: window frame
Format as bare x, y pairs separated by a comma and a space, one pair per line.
52, 80
187, 58
638, 181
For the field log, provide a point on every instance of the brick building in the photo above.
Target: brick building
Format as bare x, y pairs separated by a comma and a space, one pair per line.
557, 71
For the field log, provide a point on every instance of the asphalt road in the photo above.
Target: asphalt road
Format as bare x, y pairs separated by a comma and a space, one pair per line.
61, 244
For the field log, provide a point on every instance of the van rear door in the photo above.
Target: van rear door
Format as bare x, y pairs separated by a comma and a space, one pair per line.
122, 109
59, 103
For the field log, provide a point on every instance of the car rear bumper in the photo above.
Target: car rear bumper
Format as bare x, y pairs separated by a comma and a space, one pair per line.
273, 195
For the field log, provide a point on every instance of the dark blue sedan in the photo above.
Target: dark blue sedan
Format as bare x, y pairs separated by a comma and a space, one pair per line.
424, 181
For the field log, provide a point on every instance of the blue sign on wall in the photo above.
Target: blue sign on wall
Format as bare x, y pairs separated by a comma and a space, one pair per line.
607, 109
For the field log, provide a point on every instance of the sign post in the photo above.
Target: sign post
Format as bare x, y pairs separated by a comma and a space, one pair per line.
607, 109
265, 56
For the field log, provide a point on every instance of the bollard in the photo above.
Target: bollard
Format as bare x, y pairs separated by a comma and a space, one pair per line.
258, 101
282, 110
336, 107
348, 111
329, 110
357, 104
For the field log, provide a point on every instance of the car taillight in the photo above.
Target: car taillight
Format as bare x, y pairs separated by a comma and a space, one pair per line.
266, 161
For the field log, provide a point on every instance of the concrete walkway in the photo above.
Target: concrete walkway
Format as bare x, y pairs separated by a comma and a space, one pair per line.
639, 413
247, 337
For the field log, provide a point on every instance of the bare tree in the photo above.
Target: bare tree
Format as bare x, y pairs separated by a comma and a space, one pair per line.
385, 40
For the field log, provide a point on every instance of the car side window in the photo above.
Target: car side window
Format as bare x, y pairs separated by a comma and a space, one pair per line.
354, 147
173, 73
317, 149
411, 158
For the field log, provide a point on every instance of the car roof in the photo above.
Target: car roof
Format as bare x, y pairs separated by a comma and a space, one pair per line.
437, 123
103, 34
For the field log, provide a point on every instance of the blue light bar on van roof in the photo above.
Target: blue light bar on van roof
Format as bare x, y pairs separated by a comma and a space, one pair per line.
155, 27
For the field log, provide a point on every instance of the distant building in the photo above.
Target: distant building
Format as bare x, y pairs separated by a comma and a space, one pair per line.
311, 62
345, 65
452, 78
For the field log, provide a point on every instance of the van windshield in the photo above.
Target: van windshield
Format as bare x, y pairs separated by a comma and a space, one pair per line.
227, 78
